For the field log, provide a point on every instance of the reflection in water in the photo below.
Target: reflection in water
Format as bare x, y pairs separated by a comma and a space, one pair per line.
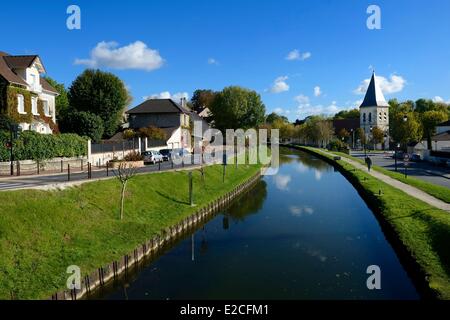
302, 234
248, 204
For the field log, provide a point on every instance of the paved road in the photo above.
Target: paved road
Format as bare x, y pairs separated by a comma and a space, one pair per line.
420, 170
410, 190
25, 182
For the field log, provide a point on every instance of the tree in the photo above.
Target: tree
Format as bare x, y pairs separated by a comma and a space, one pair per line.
202, 99
125, 172
429, 120
377, 136
404, 132
100, 93
62, 100
325, 131
82, 123
347, 114
271, 118
343, 134
361, 135
153, 132
6, 122
235, 107
129, 134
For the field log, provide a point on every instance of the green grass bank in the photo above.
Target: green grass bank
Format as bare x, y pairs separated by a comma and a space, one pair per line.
420, 231
44, 232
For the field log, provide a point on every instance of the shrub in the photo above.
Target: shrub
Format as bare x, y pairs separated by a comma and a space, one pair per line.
133, 156
31, 145
337, 145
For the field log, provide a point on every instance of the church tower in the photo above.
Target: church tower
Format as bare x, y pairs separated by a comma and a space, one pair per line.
374, 110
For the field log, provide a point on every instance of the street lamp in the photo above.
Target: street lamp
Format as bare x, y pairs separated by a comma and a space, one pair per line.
353, 138
397, 146
371, 135
13, 130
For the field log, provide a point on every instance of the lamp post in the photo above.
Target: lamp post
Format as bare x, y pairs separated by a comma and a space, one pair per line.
371, 137
13, 130
353, 138
397, 146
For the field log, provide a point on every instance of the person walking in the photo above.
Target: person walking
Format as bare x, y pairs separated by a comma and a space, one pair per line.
369, 163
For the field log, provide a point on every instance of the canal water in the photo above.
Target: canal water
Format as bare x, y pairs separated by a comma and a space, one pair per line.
304, 233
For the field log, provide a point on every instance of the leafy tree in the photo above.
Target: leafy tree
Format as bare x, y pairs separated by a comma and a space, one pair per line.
202, 99
430, 119
271, 118
361, 135
82, 123
377, 135
347, 114
100, 93
62, 100
405, 131
343, 134
129, 134
235, 107
153, 132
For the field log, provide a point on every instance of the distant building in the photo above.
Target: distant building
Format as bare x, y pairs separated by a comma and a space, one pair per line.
25, 96
175, 119
374, 111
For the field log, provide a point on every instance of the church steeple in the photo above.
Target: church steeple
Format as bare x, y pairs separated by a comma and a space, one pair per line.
374, 96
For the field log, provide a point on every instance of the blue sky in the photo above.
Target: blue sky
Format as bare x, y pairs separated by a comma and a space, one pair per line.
179, 46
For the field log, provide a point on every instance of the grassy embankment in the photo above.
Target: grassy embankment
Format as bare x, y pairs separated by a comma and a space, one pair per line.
436, 191
422, 230
44, 232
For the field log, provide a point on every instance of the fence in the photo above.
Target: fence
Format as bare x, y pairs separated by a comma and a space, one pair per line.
31, 167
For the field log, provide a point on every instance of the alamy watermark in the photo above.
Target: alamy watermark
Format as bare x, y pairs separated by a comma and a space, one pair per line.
239, 146
73, 21
374, 280
374, 20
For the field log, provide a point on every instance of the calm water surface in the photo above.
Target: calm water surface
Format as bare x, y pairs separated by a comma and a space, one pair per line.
302, 234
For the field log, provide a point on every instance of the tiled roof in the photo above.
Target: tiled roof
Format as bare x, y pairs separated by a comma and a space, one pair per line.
158, 106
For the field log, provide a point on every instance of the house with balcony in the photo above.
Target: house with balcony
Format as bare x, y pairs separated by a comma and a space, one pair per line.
25, 95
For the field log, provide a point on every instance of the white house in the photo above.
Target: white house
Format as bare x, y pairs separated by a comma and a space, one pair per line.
29, 98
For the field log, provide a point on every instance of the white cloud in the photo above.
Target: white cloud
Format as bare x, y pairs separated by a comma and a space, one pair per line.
282, 181
281, 111
213, 61
317, 91
440, 100
302, 99
306, 109
299, 211
167, 95
297, 55
394, 84
133, 56
280, 85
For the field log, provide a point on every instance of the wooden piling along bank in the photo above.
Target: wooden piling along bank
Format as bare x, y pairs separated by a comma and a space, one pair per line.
112, 271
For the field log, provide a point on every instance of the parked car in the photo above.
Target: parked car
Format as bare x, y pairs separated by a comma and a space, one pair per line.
398, 155
416, 157
152, 157
166, 154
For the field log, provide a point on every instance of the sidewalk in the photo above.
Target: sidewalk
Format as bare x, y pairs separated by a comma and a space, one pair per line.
410, 190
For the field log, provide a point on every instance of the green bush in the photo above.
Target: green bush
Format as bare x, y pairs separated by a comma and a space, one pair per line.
35, 146
337, 145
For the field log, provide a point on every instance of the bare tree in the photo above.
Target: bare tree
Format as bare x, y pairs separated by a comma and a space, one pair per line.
124, 173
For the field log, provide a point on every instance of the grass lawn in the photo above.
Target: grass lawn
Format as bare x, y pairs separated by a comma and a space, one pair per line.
423, 229
436, 191
44, 232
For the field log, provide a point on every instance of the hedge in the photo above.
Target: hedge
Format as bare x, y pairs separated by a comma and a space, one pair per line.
31, 145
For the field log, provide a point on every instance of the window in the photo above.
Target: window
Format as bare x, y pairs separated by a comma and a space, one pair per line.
34, 109
20, 104
370, 116
364, 117
46, 108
